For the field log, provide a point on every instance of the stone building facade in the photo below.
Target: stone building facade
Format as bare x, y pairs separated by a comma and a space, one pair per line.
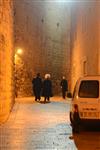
42, 30
42, 34
85, 39
6, 59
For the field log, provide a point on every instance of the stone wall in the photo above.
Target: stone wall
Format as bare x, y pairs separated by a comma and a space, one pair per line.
42, 30
85, 39
6, 59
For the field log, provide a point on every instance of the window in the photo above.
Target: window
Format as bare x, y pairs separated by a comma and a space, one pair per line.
89, 89
85, 67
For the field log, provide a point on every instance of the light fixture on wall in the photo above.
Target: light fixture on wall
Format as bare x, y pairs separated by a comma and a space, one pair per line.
19, 51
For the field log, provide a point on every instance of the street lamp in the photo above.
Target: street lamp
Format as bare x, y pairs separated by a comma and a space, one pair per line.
19, 51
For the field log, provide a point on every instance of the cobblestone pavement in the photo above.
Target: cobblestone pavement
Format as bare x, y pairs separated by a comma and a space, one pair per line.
37, 126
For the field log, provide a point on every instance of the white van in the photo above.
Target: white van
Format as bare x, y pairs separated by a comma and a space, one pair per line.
85, 105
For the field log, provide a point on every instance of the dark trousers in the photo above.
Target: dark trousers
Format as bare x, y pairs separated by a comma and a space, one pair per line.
63, 93
46, 97
37, 94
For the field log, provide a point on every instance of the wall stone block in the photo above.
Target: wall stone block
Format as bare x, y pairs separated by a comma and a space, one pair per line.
6, 59
42, 31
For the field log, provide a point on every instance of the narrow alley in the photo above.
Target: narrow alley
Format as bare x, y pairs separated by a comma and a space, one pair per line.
38, 126
34, 125
60, 38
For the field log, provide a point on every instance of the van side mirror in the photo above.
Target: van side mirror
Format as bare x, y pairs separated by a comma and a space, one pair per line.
69, 95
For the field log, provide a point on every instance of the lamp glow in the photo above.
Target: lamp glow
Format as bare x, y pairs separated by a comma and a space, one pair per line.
19, 51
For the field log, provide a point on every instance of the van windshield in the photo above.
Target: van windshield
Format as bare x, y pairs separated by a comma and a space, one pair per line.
89, 89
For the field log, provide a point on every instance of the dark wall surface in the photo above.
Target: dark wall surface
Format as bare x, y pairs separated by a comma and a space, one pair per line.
42, 31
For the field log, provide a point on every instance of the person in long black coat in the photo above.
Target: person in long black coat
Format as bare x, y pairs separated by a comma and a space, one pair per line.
47, 88
64, 87
37, 87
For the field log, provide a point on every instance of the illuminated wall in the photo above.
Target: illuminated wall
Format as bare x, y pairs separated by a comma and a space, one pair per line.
6, 59
85, 39
42, 30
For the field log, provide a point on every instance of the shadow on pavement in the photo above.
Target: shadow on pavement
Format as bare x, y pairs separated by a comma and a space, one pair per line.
42, 102
31, 100
88, 139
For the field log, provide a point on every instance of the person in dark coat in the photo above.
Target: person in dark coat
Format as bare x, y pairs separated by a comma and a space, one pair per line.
47, 88
37, 87
64, 87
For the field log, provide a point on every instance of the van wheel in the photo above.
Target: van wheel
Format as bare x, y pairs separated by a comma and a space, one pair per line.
75, 128
76, 123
